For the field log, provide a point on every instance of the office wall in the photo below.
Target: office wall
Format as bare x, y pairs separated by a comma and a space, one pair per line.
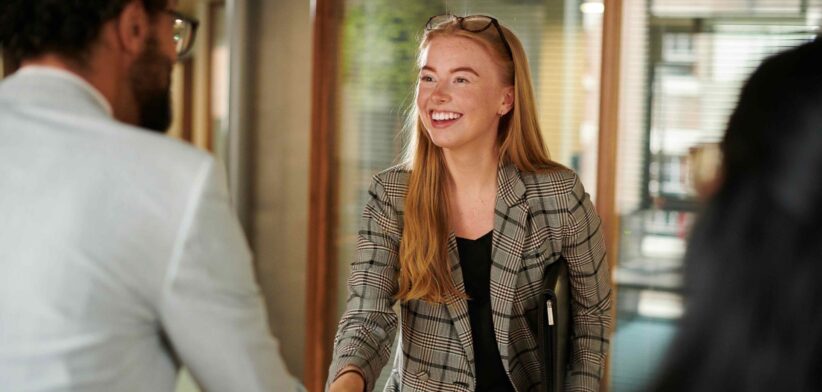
276, 93
279, 100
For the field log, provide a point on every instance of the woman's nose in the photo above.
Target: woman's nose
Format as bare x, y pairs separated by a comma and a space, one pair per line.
440, 96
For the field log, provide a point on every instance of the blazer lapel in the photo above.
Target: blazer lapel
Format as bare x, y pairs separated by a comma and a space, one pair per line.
458, 307
511, 213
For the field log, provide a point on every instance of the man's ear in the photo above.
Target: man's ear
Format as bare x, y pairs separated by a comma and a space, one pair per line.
507, 101
132, 27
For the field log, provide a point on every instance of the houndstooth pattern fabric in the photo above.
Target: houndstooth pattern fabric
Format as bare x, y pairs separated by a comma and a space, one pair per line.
539, 217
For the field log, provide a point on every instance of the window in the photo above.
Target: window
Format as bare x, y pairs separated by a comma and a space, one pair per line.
683, 64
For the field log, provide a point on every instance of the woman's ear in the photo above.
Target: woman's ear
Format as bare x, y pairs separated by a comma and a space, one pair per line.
507, 101
132, 28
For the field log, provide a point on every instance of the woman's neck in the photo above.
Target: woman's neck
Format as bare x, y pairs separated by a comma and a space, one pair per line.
471, 171
472, 188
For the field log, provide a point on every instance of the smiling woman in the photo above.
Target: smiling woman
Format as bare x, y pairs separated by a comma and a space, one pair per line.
463, 230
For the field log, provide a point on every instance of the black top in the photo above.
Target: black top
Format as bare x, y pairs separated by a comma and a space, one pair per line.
475, 260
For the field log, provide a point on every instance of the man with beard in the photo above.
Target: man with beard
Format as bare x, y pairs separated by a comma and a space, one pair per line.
120, 255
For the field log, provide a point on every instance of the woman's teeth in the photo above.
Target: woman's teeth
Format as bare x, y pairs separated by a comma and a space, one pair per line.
442, 116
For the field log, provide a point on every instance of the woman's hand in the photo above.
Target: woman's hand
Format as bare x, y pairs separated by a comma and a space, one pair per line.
348, 381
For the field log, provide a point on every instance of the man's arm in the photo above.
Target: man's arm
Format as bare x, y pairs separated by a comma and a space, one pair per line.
211, 307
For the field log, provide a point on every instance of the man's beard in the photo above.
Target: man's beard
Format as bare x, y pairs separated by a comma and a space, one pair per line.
150, 78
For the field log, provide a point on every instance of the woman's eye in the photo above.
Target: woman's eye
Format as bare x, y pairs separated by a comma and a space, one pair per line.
426, 78
461, 80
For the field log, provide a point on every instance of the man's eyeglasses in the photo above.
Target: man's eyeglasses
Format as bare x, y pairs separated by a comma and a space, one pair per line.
472, 23
185, 29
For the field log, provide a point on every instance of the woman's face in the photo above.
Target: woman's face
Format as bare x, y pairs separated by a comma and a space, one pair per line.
461, 94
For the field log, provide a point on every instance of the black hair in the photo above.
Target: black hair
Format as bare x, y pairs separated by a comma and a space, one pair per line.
29, 28
753, 269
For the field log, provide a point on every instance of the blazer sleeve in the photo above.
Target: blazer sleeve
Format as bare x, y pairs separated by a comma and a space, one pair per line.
211, 307
367, 328
584, 251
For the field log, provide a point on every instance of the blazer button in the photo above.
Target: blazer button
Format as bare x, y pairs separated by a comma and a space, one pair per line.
423, 376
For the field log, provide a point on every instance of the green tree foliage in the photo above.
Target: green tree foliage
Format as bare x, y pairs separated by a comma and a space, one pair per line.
380, 44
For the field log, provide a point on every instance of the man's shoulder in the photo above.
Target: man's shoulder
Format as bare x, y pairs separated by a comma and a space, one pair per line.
154, 152
148, 159
169, 150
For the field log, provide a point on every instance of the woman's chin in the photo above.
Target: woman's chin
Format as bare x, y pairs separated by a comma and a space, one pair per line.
444, 142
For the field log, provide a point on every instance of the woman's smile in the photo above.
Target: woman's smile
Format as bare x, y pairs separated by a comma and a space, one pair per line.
443, 119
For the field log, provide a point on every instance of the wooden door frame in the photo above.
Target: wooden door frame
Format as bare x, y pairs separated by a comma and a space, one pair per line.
322, 218
206, 139
608, 146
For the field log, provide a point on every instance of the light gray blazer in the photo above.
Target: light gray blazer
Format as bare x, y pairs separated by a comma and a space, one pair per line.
120, 254
539, 217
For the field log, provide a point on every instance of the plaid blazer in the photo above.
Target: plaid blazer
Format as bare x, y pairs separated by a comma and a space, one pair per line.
539, 217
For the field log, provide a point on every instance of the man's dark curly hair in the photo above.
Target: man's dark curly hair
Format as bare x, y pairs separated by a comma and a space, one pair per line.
29, 28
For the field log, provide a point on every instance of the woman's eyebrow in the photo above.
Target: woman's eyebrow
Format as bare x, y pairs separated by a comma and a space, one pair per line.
465, 69
454, 70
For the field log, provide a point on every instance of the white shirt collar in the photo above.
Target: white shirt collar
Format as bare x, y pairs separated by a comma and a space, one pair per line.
41, 70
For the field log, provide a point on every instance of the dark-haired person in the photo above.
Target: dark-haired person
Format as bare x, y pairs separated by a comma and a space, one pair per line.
120, 255
753, 319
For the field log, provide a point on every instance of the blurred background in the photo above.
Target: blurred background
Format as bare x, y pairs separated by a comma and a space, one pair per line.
304, 101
